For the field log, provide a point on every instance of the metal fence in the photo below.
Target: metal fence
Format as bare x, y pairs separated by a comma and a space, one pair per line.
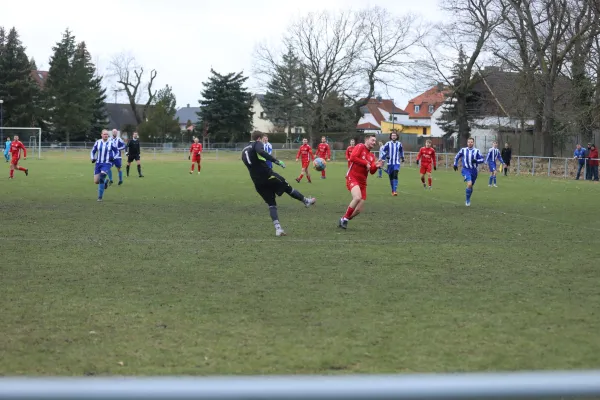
518, 385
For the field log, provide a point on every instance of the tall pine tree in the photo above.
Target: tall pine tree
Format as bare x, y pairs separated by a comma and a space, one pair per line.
280, 101
161, 124
226, 107
18, 90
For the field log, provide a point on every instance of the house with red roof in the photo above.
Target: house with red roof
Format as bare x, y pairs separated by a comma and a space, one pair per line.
378, 113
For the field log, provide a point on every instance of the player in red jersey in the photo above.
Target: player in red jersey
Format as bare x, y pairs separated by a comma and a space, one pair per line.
362, 162
15, 152
349, 151
195, 154
307, 155
324, 152
427, 157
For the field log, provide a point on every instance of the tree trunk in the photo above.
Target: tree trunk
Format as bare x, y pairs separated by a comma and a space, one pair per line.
548, 122
462, 119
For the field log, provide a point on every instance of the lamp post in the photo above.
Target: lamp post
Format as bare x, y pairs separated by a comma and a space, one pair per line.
1, 123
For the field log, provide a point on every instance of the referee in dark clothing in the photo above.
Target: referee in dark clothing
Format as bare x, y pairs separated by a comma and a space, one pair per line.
268, 183
506, 155
132, 151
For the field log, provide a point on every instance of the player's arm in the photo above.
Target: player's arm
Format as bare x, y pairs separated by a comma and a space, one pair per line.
299, 152
200, 150
355, 157
478, 157
383, 151
458, 156
93, 152
434, 155
114, 152
401, 150
328, 153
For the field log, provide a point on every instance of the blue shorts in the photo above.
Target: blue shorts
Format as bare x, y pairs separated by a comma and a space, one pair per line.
392, 167
469, 175
492, 166
117, 162
101, 167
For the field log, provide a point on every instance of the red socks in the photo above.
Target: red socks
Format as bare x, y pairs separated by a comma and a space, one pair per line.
323, 173
349, 213
428, 181
300, 177
12, 173
193, 165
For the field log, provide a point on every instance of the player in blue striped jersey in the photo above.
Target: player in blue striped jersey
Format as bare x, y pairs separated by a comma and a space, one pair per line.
394, 152
493, 155
269, 149
471, 158
103, 154
120, 145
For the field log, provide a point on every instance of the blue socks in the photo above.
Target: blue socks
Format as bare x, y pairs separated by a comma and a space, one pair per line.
491, 179
394, 184
101, 186
110, 174
468, 193
495, 179
380, 172
120, 176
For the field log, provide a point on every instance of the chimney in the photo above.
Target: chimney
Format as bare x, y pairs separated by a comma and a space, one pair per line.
379, 98
440, 87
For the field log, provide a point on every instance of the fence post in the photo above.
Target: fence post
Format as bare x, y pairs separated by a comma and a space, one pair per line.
566, 167
585, 169
154, 156
549, 163
217, 154
446, 160
533, 166
65, 151
518, 165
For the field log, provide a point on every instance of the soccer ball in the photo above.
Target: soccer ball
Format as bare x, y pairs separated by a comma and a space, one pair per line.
319, 164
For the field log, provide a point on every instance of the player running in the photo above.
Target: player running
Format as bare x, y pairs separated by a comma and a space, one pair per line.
268, 149
427, 158
349, 151
195, 154
269, 184
15, 153
324, 152
7, 149
133, 153
394, 152
305, 151
471, 158
493, 155
118, 162
362, 162
103, 155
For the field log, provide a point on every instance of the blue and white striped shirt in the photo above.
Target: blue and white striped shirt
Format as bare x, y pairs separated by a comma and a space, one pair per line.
103, 151
393, 151
471, 157
493, 155
269, 149
119, 144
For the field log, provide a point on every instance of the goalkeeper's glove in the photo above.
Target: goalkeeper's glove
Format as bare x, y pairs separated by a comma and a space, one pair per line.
280, 163
93, 161
189, 157
434, 168
455, 168
402, 158
418, 162
126, 153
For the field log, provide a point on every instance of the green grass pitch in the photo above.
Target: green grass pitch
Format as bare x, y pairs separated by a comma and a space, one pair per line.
182, 274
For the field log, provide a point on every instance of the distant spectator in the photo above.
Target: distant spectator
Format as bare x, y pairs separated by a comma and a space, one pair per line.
593, 162
588, 169
579, 154
506, 155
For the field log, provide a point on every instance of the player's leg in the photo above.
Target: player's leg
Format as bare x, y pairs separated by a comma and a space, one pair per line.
379, 172
395, 172
306, 171
355, 203
280, 186
390, 172
299, 178
429, 180
199, 160
128, 166
193, 164
12, 170
139, 167
118, 163
268, 194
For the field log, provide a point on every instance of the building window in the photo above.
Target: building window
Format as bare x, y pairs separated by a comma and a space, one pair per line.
430, 109
262, 114
417, 109
393, 117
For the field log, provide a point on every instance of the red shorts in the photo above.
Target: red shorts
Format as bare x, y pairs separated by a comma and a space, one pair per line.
14, 160
305, 164
352, 182
196, 158
425, 168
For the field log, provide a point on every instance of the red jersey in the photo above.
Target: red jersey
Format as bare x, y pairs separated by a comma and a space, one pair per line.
196, 148
15, 149
349, 152
323, 151
306, 152
427, 156
360, 157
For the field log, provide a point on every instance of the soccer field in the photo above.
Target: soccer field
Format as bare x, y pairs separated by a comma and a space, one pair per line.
182, 274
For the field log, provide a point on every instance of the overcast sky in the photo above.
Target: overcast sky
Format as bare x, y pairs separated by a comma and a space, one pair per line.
181, 39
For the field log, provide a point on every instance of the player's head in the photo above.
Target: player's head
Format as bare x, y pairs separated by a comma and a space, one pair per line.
305, 141
470, 142
593, 146
393, 136
8, 138
370, 141
265, 138
323, 139
196, 139
104, 135
506, 145
352, 142
115, 132
135, 135
494, 144
428, 143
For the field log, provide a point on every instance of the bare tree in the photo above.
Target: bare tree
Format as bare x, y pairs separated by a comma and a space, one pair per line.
554, 27
473, 22
130, 77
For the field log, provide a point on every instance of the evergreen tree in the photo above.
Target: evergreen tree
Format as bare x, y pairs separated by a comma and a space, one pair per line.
17, 87
337, 115
226, 107
280, 101
33, 64
161, 124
